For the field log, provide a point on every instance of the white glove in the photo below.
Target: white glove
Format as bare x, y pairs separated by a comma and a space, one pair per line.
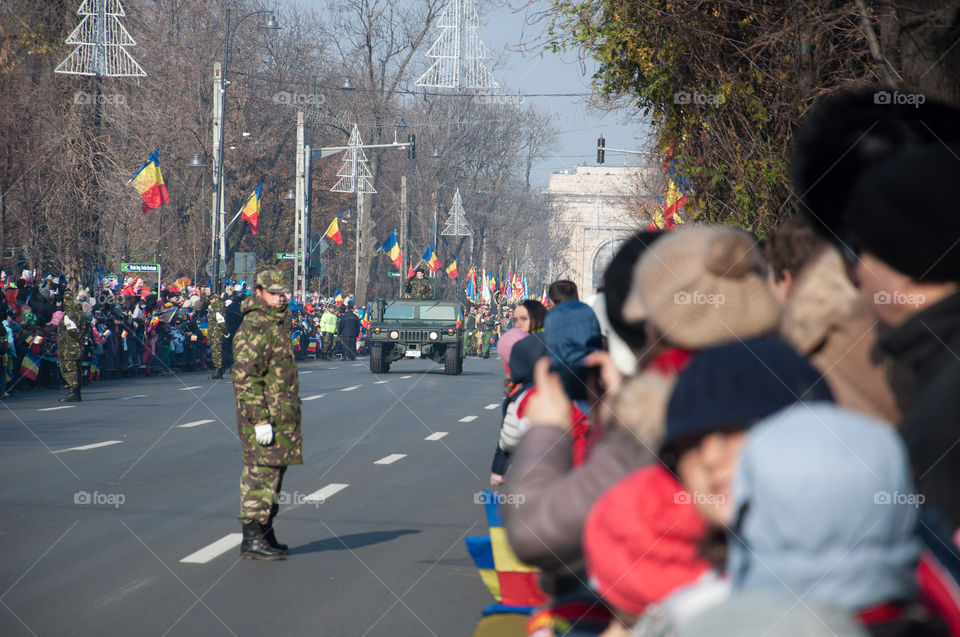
264, 433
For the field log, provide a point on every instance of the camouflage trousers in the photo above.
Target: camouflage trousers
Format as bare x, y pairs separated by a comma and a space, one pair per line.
216, 348
329, 341
259, 488
70, 370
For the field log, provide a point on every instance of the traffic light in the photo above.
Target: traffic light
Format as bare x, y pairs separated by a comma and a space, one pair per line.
601, 144
412, 148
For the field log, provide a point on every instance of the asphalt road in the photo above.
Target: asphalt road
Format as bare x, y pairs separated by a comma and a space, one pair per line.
103, 501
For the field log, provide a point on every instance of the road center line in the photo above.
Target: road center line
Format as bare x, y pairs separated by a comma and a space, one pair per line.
308, 371
191, 387
314, 397
468, 419
56, 408
406, 377
351, 388
95, 445
492, 406
393, 457
132, 397
437, 435
358, 364
195, 423
216, 549
380, 382
321, 495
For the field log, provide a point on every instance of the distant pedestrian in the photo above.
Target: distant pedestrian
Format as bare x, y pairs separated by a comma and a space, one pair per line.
71, 339
328, 330
216, 331
268, 411
349, 330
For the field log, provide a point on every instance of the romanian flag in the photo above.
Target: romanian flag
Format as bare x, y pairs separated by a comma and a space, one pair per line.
430, 258
312, 345
410, 272
333, 232
251, 208
392, 248
30, 366
338, 299
459, 317
149, 183
452, 270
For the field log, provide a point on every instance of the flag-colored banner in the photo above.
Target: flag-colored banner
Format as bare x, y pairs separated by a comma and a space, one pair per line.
149, 183
251, 209
392, 247
430, 258
338, 299
452, 270
333, 231
30, 367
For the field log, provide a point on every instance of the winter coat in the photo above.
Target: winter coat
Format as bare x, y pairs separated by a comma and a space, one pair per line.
925, 374
328, 322
266, 384
72, 340
349, 326
827, 320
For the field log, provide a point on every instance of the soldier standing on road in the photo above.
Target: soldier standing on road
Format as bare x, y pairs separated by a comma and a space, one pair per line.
418, 287
268, 411
216, 330
328, 329
71, 339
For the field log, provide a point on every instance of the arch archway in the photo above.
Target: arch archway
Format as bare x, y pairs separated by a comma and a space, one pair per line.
601, 259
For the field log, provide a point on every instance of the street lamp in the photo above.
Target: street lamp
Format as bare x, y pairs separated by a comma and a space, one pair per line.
196, 166
291, 195
270, 27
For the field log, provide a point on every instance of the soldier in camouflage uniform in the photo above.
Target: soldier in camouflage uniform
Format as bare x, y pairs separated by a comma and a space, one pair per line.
71, 339
268, 411
417, 287
216, 331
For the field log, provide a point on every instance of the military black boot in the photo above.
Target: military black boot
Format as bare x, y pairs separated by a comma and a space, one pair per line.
218, 374
271, 539
254, 546
72, 396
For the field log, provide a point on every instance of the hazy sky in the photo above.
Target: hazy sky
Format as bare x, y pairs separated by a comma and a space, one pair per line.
534, 75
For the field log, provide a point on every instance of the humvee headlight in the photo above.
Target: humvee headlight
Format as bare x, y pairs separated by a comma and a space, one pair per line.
433, 336
394, 334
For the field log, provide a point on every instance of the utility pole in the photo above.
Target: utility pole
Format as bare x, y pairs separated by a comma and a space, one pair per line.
299, 249
403, 226
216, 225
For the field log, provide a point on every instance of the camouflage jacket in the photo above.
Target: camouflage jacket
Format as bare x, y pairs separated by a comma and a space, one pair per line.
216, 307
70, 343
418, 288
266, 384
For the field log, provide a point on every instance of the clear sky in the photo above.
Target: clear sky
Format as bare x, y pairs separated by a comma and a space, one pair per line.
538, 75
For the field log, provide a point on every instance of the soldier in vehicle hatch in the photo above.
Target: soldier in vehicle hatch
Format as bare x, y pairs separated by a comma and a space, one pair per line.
417, 287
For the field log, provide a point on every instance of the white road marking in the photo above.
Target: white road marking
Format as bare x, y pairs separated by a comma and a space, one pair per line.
93, 446
216, 549
132, 397
195, 423
351, 388
306, 372
406, 377
437, 435
380, 382
56, 408
359, 364
492, 406
189, 388
393, 457
321, 495
468, 419
313, 397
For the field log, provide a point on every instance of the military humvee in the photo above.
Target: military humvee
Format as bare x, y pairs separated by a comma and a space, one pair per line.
415, 328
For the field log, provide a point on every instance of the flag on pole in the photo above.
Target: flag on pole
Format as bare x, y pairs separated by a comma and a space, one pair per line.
30, 367
452, 269
149, 183
410, 272
471, 290
485, 294
459, 317
338, 299
392, 248
251, 208
430, 258
333, 231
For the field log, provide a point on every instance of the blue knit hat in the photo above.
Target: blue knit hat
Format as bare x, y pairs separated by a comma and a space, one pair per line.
733, 386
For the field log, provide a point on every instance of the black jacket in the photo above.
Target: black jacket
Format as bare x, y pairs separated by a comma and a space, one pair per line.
925, 374
349, 326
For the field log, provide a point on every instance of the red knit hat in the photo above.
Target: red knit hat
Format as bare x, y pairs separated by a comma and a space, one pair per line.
641, 540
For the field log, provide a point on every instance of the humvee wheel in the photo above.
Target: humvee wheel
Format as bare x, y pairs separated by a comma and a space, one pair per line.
452, 363
377, 364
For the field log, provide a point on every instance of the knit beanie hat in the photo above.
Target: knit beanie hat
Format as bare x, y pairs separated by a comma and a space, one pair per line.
735, 385
883, 208
701, 286
641, 540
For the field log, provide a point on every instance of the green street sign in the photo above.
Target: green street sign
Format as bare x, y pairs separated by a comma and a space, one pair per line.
139, 267
286, 256
394, 274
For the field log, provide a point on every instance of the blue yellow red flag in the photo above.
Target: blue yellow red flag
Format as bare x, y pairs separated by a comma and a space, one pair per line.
251, 208
149, 183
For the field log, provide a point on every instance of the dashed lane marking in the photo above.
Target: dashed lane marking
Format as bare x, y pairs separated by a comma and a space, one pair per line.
393, 457
190, 388
307, 371
136, 396
406, 377
351, 388
57, 408
437, 435
359, 364
380, 382
216, 549
95, 445
492, 406
468, 419
195, 423
321, 495
313, 397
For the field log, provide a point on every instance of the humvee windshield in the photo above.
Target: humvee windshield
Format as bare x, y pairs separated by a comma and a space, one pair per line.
400, 312
439, 313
